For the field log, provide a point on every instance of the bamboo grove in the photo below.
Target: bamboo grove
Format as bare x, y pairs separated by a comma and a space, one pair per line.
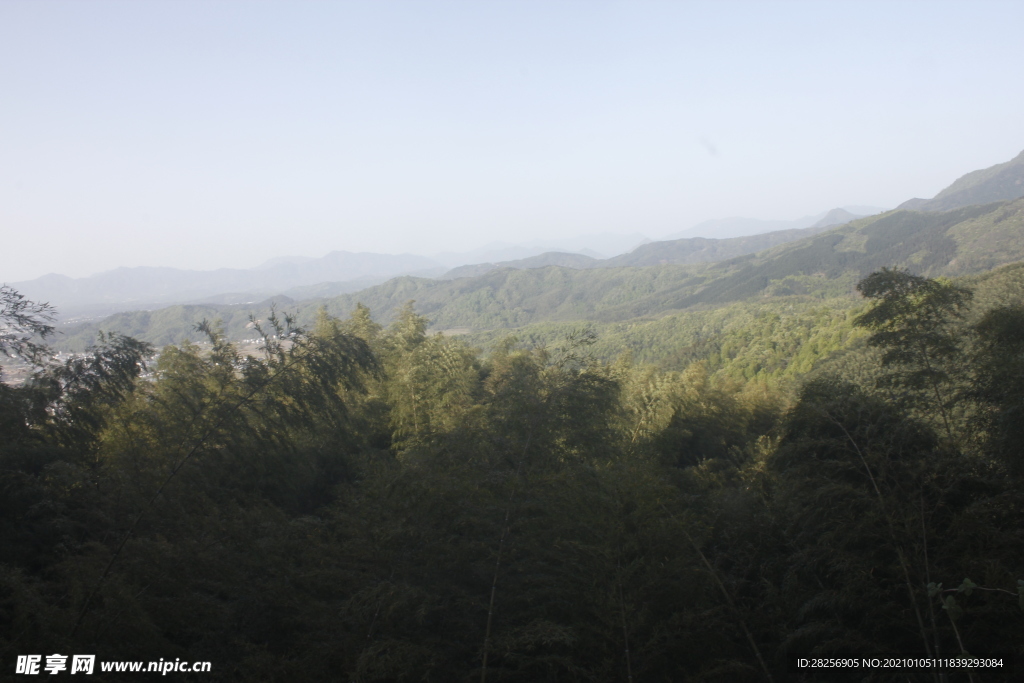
363, 503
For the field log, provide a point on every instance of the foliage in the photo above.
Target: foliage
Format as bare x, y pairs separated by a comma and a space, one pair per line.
998, 380
913, 319
24, 325
384, 504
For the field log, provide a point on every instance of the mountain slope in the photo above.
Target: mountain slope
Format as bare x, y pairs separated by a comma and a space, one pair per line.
704, 250
826, 265
955, 242
1001, 182
682, 251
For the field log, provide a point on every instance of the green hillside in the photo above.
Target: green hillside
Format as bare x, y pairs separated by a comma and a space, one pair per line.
372, 501
772, 340
688, 250
955, 242
503, 299
768, 339
652, 436
821, 267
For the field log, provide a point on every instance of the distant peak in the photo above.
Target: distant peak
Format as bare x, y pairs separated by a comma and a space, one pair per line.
836, 217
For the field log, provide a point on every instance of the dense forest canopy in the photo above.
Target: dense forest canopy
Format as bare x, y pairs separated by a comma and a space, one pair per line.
377, 503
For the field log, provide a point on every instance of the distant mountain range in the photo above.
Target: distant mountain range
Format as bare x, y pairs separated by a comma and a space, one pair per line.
963, 241
998, 183
602, 245
551, 258
724, 228
341, 273
297, 277
146, 287
687, 250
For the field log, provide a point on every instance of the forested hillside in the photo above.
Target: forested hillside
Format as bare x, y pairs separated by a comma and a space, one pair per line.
670, 472
379, 504
817, 271
679, 251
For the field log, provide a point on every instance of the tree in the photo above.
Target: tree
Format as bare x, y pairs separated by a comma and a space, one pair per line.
72, 399
913, 319
877, 515
998, 380
23, 324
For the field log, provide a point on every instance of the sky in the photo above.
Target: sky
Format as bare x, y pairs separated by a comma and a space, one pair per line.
221, 134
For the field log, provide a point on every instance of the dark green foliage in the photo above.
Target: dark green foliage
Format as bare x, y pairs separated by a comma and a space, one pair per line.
904, 235
876, 508
365, 503
914, 320
911, 317
999, 381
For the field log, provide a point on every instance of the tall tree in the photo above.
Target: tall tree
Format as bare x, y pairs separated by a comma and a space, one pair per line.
913, 322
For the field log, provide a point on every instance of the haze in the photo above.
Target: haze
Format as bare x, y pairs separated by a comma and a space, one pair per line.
206, 135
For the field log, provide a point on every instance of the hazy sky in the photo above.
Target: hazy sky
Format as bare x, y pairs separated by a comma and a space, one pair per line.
211, 134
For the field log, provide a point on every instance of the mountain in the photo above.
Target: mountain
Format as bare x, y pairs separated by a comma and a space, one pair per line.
997, 183
686, 250
654, 279
146, 287
299, 277
836, 217
602, 245
704, 250
491, 252
551, 258
959, 242
822, 265
679, 250
724, 228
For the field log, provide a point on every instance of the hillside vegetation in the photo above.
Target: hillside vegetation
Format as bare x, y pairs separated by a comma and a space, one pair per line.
816, 269
680, 251
649, 472
379, 504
